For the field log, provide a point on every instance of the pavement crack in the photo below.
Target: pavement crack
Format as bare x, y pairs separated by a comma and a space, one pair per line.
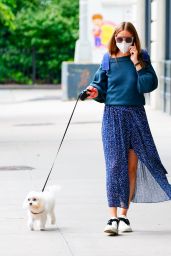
66, 243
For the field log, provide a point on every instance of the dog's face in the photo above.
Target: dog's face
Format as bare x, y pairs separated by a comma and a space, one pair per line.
34, 202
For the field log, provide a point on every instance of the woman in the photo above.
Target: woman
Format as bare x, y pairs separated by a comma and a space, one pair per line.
134, 171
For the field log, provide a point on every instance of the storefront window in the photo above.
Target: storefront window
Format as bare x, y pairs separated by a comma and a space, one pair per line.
148, 25
167, 61
168, 29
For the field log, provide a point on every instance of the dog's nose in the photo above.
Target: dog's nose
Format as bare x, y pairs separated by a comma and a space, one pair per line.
30, 203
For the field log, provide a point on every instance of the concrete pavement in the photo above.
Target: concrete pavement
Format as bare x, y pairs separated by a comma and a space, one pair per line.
32, 125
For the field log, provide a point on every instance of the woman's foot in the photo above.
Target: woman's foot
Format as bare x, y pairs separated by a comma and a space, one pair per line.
124, 224
112, 226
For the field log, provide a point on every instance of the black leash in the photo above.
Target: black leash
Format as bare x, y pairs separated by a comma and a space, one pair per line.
82, 96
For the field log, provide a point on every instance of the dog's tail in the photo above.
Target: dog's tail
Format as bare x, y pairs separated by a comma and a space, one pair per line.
53, 189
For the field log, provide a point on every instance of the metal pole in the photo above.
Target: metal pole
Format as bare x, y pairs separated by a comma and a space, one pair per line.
33, 66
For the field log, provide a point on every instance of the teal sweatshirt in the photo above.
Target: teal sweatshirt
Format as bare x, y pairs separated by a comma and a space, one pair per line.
122, 84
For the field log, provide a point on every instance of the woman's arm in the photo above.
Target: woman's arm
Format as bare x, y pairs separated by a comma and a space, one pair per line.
147, 79
100, 83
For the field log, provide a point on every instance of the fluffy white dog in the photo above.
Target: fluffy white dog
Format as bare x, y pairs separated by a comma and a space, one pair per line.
40, 205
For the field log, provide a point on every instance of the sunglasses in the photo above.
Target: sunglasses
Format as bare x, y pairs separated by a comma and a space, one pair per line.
126, 39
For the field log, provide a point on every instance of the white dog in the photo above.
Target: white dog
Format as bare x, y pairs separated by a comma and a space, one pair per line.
40, 205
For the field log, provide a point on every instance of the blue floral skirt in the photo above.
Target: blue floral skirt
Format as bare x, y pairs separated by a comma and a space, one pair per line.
125, 127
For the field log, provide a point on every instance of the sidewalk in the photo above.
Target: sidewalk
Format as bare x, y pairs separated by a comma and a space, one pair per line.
32, 125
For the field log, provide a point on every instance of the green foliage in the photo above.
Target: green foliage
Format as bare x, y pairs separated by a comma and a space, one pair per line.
6, 15
42, 36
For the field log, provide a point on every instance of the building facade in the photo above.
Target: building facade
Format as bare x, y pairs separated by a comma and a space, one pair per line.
158, 42
152, 19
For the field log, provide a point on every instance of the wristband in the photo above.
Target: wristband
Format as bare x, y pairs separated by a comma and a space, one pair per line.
137, 63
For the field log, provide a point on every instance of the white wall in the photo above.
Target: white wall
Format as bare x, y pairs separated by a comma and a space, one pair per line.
114, 11
157, 46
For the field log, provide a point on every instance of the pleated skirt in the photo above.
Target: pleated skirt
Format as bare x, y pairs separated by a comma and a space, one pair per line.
125, 127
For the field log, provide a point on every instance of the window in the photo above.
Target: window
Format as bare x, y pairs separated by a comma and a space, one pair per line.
167, 62
168, 30
148, 25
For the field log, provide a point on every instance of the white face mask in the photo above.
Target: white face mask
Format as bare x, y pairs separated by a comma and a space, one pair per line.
123, 47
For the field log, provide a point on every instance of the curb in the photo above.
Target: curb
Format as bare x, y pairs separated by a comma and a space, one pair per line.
30, 87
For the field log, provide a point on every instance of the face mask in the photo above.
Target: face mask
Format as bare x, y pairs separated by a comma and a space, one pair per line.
123, 47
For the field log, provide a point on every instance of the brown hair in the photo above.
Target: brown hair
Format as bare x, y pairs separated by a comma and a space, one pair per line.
128, 26
97, 16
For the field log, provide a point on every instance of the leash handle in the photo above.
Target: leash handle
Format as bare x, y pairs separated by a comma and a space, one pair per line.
81, 96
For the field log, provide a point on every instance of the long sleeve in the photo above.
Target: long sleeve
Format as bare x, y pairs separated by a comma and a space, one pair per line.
147, 79
100, 83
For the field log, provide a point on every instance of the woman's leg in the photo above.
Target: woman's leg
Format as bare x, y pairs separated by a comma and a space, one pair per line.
113, 212
132, 167
116, 137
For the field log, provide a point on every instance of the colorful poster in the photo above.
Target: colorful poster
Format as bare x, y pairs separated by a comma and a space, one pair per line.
102, 30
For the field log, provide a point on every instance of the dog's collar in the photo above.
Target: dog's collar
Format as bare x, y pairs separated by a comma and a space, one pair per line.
37, 212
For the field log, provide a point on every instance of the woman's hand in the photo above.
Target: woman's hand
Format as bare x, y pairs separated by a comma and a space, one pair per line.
93, 92
134, 54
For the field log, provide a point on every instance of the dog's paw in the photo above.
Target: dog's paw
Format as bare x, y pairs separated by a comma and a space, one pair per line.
31, 228
42, 229
53, 222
